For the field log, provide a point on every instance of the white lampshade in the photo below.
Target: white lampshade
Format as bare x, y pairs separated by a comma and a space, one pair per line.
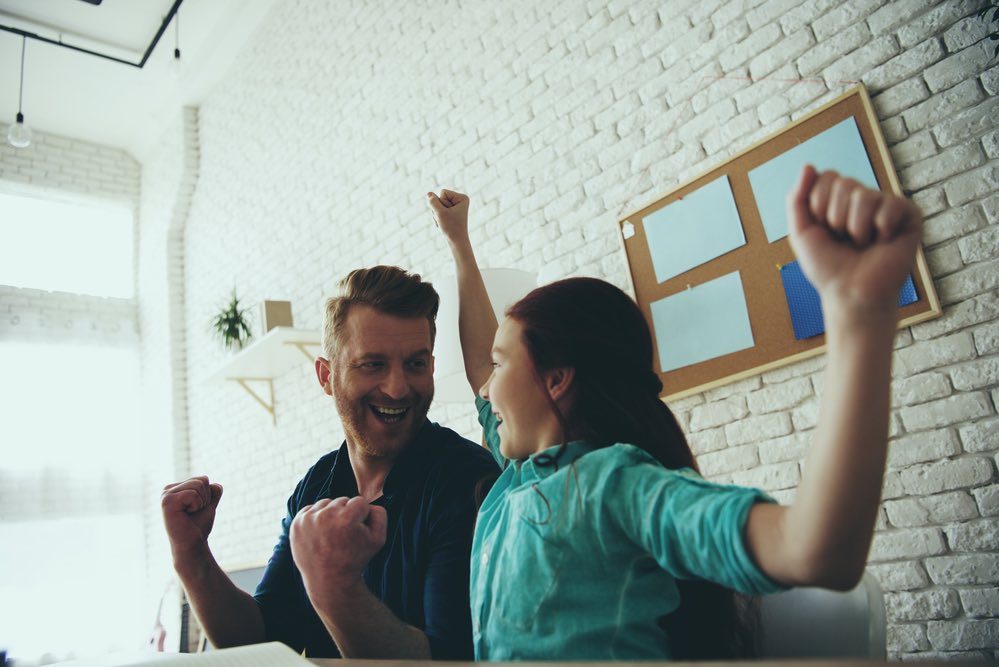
505, 287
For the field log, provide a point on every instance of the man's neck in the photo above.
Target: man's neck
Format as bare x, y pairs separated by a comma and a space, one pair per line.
370, 472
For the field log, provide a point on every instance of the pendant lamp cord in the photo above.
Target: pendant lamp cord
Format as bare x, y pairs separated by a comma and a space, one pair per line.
176, 35
20, 92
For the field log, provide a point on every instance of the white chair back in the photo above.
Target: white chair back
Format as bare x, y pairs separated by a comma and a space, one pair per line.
819, 623
246, 579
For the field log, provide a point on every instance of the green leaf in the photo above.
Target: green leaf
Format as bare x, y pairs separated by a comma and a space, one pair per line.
230, 324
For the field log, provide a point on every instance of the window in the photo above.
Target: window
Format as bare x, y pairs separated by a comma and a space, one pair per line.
85, 248
73, 563
72, 567
69, 407
72, 587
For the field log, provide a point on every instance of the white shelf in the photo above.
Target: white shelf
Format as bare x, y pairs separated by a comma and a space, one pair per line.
280, 350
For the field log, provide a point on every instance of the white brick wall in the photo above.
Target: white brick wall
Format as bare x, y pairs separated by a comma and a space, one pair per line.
67, 165
558, 117
36, 315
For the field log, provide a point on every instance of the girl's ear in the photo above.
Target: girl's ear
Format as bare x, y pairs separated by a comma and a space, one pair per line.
559, 382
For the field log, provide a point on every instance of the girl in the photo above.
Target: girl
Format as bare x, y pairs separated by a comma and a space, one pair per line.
598, 520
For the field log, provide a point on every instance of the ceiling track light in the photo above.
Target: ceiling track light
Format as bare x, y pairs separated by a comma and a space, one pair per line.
19, 134
145, 56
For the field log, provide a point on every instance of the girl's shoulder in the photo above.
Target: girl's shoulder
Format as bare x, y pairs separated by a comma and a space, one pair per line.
630, 469
617, 454
616, 458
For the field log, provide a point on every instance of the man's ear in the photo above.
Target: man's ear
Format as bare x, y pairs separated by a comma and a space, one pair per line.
323, 373
559, 382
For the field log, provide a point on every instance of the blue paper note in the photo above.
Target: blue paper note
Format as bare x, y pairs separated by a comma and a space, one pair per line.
804, 304
908, 294
702, 323
839, 148
704, 224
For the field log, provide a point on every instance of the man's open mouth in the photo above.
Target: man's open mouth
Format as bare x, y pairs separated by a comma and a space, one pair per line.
389, 415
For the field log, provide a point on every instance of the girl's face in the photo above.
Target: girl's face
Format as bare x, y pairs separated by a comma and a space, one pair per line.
527, 422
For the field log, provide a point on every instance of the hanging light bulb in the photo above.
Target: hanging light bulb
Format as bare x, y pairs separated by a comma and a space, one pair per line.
19, 134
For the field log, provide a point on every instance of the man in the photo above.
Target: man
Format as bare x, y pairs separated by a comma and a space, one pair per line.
372, 561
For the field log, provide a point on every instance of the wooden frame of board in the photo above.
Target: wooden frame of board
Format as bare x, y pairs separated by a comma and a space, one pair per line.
758, 261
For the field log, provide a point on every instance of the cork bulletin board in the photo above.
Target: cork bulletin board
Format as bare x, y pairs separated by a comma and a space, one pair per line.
712, 268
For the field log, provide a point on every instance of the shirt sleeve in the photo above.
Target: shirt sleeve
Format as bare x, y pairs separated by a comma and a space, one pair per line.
447, 615
275, 594
489, 423
284, 605
445, 590
693, 528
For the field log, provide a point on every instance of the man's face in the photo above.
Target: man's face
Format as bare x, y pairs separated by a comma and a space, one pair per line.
382, 379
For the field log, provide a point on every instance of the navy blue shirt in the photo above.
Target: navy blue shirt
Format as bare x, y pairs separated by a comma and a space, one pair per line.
421, 573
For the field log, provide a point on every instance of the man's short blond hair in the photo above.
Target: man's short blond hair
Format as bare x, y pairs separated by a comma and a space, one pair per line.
387, 289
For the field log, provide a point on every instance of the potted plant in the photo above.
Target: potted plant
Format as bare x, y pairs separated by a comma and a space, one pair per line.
993, 7
231, 325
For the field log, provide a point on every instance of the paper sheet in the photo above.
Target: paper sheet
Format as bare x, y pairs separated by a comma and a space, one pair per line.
840, 148
701, 226
702, 323
271, 654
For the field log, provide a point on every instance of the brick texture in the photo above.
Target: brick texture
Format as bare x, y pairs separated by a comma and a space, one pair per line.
557, 118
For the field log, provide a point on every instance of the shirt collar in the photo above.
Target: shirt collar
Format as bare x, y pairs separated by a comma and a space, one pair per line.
573, 451
342, 482
410, 462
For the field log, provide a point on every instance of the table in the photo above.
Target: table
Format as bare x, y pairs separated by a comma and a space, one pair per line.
326, 662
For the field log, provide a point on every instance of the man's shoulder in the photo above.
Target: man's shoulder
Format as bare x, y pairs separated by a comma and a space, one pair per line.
316, 479
325, 463
448, 448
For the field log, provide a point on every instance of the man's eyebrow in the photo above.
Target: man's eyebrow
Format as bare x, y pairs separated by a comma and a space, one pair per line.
369, 356
379, 356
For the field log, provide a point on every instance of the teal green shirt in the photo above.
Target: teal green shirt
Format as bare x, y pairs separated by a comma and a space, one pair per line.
578, 561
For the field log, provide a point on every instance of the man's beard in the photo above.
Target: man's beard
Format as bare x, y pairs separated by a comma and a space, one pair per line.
388, 442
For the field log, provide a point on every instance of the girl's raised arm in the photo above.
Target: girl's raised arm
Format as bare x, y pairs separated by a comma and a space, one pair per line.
476, 319
856, 246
